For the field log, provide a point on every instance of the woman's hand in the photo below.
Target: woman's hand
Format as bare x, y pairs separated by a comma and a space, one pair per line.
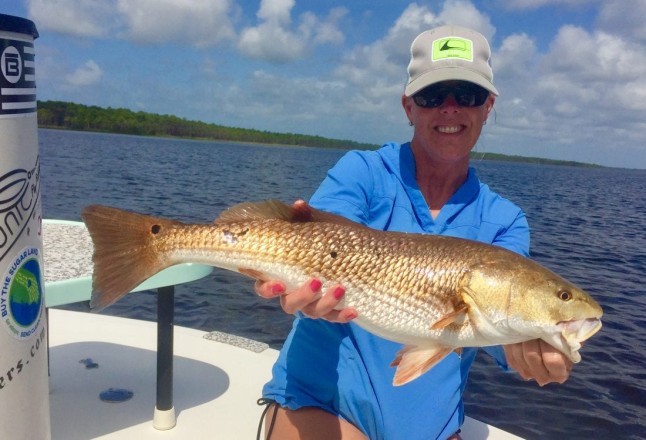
308, 300
538, 360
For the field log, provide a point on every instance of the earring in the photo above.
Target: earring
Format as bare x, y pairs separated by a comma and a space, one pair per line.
410, 123
484, 122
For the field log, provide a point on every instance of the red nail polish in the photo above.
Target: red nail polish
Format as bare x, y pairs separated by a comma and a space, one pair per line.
339, 292
277, 289
350, 316
315, 285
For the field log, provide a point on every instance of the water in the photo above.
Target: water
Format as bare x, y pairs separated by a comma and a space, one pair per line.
587, 224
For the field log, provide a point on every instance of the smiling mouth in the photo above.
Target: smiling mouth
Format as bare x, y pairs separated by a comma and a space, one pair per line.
449, 129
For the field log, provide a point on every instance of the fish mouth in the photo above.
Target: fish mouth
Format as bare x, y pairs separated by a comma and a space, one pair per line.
573, 332
579, 329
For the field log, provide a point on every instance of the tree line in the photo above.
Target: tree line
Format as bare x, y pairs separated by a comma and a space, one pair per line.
71, 116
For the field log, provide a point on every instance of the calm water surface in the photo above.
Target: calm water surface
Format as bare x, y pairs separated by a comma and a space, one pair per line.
587, 224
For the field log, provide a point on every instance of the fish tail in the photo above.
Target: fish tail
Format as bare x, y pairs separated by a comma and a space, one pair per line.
124, 252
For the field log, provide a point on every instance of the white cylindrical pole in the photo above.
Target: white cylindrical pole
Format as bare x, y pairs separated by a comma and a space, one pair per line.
24, 384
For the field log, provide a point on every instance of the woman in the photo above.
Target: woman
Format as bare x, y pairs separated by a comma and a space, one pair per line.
332, 379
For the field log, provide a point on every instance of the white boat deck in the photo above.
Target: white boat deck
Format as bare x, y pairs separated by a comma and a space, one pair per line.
216, 383
215, 392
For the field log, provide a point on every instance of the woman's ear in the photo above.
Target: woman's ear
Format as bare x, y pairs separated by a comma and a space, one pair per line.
407, 103
489, 104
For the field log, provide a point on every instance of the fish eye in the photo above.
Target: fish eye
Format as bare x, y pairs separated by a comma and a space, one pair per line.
155, 229
564, 295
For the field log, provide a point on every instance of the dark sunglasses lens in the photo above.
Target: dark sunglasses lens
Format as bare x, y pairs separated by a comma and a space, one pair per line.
470, 96
465, 95
429, 100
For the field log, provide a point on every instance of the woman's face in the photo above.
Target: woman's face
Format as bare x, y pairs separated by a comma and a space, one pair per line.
448, 131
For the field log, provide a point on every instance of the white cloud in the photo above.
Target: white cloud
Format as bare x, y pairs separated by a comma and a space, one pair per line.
271, 43
535, 4
277, 11
88, 74
197, 22
272, 38
194, 22
514, 61
86, 18
514, 67
384, 61
625, 18
597, 56
464, 13
599, 73
577, 94
275, 41
296, 105
324, 31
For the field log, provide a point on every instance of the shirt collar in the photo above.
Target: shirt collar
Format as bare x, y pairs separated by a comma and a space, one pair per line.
466, 193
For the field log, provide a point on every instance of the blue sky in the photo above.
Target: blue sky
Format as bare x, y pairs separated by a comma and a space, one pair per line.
572, 73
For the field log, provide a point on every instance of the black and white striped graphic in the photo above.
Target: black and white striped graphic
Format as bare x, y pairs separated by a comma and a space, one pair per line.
17, 78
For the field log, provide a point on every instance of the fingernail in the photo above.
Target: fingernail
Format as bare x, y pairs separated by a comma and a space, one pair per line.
350, 316
277, 289
315, 285
338, 293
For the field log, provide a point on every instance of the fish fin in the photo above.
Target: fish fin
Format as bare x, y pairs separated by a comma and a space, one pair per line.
413, 361
268, 209
299, 212
123, 253
327, 217
455, 316
253, 273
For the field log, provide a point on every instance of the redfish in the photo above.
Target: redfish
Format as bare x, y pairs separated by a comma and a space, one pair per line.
434, 294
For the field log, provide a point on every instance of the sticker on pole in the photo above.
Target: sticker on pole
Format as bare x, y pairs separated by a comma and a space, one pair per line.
21, 294
17, 78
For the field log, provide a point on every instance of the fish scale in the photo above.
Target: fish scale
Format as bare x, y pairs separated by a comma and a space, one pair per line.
433, 294
427, 293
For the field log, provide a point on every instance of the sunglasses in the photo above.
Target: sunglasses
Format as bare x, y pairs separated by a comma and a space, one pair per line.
465, 94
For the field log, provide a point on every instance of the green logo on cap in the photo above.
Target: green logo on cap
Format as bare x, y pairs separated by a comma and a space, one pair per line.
452, 47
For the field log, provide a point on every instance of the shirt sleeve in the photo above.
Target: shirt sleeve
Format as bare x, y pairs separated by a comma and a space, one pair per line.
516, 236
346, 188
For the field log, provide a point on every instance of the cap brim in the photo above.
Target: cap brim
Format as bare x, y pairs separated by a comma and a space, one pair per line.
448, 74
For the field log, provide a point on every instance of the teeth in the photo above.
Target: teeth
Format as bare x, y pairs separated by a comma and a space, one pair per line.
449, 128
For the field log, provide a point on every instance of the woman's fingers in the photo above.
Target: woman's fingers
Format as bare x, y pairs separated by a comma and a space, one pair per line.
309, 299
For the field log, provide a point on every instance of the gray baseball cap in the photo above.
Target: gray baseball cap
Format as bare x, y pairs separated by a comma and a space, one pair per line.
449, 53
